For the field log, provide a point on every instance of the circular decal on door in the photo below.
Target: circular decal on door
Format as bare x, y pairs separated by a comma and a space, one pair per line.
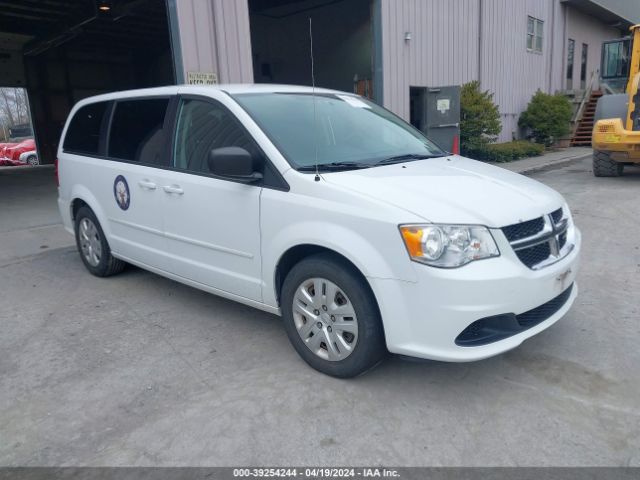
121, 192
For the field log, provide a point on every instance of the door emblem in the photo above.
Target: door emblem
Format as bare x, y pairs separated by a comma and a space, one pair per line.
121, 192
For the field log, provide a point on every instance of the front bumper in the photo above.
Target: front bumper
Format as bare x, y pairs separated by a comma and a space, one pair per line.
424, 319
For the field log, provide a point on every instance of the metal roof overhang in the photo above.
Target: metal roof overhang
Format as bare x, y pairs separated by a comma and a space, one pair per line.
602, 11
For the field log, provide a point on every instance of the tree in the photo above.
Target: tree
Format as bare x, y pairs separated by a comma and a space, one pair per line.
479, 117
547, 116
14, 109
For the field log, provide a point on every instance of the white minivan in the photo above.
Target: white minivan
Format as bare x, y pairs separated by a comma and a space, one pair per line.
323, 208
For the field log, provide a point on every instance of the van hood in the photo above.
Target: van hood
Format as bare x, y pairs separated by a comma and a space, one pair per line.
453, 189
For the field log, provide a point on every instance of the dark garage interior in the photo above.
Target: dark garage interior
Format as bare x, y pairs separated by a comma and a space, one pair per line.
62, 51
343, 43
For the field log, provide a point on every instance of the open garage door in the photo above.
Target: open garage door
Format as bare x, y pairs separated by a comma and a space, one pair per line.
62, 51
343, 43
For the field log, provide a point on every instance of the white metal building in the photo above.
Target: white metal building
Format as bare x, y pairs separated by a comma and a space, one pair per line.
514, 47
390, 50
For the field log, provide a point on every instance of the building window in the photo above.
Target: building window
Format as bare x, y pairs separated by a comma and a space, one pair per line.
583, 66
571, 50
535, 29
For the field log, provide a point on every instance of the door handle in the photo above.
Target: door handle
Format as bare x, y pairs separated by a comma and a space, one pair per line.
147, 184
175, 189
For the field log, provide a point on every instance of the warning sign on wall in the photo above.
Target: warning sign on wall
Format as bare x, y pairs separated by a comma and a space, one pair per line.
202, 78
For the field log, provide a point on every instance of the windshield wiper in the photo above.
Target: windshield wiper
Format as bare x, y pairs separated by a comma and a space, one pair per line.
334, 166
406, 157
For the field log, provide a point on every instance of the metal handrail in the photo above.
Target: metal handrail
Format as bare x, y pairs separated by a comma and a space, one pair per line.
587, 94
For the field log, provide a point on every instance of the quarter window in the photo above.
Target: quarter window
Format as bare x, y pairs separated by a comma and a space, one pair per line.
203, 126
136, 133
535, 34
83, 134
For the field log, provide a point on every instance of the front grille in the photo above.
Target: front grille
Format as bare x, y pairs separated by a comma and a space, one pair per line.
522, 230
557, 215
498, 327
540, 241
534, 255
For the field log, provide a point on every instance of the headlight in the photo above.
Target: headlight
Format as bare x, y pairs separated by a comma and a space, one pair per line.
448, 246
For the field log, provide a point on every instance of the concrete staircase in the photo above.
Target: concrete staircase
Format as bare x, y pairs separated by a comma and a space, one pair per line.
582, 134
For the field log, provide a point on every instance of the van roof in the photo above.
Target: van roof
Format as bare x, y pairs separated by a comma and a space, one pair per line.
231, 88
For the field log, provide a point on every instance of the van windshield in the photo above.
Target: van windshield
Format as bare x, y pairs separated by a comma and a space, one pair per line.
343, 131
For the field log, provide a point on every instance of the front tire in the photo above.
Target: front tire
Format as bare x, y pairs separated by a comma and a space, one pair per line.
604, 166
33, 160
93, 247
331, 317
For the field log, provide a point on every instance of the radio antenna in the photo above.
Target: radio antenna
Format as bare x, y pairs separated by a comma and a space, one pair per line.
313, 94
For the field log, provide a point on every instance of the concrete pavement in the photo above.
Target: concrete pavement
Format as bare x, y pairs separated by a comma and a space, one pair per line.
140, 370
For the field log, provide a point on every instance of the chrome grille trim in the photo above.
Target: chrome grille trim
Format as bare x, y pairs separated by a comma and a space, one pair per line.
554, 227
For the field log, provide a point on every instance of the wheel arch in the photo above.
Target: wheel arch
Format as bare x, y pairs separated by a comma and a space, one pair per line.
297, 253
81, 196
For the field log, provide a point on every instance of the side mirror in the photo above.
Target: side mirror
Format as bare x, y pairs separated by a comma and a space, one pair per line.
233, 163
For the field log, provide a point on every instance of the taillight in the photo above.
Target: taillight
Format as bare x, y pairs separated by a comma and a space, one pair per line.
57, 175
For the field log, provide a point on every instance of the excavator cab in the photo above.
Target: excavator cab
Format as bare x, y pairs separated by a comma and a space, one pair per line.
616, 133
615, 65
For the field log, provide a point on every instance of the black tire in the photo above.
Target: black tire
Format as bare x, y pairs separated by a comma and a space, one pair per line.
33, 160
370, 348
604, 166
108, 265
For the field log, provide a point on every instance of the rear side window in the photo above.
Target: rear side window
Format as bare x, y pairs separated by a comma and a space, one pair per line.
83, 134
136, 132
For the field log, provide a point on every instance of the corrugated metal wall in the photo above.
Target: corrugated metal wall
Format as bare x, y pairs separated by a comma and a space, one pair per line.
452, 42
455, 41
508, 69
215, 37
443, 49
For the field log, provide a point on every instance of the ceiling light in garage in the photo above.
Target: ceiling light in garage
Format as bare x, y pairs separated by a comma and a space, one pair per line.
104, 6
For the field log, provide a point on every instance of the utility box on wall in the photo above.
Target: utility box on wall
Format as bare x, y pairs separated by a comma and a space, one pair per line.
436, 111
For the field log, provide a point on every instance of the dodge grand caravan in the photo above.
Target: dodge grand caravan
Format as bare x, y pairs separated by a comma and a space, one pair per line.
323, 208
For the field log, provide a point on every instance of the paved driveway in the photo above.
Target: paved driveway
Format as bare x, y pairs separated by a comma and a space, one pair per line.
139, 370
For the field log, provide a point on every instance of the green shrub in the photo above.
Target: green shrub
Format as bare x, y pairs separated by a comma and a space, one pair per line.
479, 117
547, 116
506, 152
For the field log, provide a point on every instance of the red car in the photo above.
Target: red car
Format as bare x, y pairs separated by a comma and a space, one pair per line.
10, 154
3, 148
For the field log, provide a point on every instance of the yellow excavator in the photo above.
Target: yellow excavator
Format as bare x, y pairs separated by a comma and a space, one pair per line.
616, 133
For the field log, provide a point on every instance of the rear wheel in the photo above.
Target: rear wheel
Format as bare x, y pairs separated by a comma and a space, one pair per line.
331, 317
93, 247
33, 160
605, 166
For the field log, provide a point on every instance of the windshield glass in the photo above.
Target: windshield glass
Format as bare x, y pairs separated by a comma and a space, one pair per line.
347, 130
